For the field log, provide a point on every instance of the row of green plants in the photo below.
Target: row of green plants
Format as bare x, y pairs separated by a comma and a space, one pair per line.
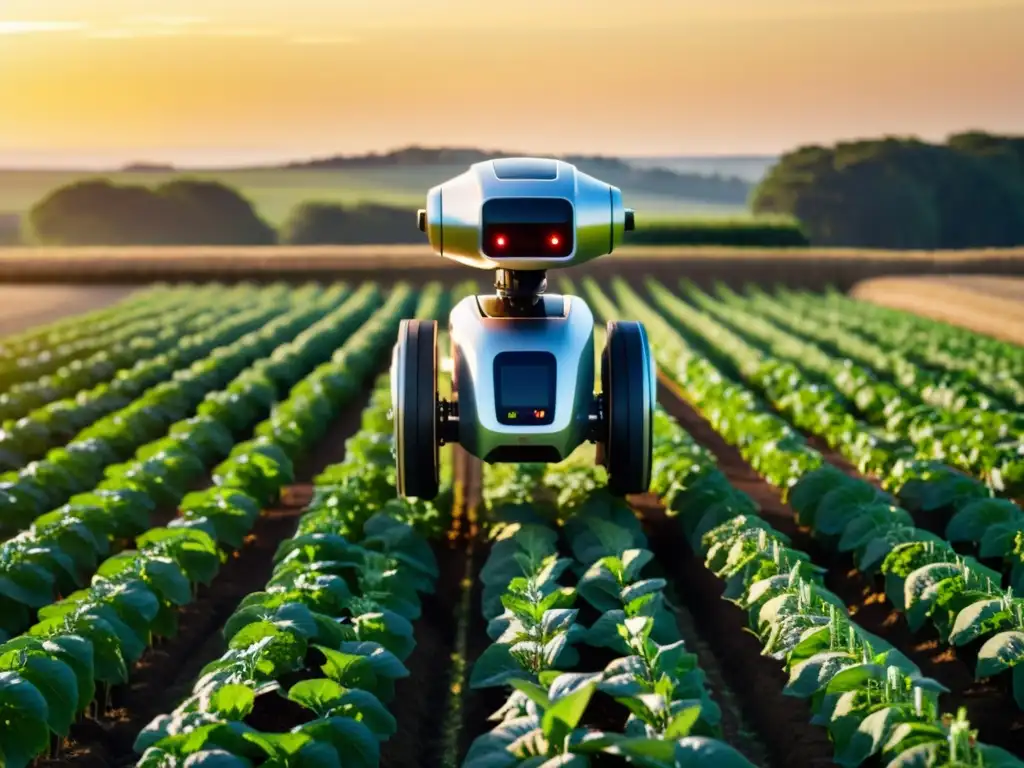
558, 535
953, 390
319, 650
40, 365
134, 594
874, 702
923, 574
62, 549
948, 503
49, 411
177, 383
976, 438
113, 350
71, 330
996, 365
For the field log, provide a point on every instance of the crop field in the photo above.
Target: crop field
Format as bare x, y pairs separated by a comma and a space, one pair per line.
985, 303
204, 561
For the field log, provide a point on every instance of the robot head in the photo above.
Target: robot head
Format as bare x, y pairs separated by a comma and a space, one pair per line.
524, 213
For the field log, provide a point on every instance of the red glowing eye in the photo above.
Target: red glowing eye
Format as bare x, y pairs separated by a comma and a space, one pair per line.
500, 241
554, 240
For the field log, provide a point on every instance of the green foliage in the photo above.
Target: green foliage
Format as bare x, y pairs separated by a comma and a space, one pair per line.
325, 223
902, 193
179, 212
766, 233
874, 701
535, 513
111, 609
335, 617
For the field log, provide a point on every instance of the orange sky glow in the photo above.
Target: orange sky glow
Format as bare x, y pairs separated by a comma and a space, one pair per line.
249, 80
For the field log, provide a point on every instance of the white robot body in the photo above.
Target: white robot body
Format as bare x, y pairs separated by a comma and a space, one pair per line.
523, 378
524, 387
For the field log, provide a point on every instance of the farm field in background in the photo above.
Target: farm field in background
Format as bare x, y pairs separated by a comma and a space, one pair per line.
275, 192
985, 303
811, 268
201, 534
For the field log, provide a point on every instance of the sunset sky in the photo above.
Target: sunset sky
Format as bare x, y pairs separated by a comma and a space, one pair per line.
210, 81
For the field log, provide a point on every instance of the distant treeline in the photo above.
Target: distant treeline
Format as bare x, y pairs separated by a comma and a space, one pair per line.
10, 224
709, 188
180, 212
189, 212
903, 193
731, 232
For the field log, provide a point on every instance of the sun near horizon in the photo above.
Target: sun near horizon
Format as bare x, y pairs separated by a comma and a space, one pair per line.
208, 80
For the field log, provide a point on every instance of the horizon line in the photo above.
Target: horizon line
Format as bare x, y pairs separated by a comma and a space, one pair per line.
119, 166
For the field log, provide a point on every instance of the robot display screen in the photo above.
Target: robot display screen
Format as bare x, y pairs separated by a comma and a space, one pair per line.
528, 227
524, 384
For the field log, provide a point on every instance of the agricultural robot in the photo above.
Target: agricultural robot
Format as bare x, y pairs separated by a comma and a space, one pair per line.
523, 359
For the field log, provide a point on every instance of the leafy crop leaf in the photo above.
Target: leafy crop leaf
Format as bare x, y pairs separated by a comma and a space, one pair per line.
565, 714
352, 740
23, 713
810, 676
232, 702
972, 621
496, 666
57, 683
871, 735
999, 653
973, 519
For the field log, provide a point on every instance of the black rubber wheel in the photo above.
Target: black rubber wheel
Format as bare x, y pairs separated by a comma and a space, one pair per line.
628, 385
414, 406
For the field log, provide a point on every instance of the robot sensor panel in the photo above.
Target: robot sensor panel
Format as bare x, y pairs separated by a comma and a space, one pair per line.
524, 227
524, 384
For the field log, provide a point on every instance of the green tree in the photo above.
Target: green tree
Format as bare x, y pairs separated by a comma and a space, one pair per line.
214, 214
325, 223
184, 212
317, 223
901, 193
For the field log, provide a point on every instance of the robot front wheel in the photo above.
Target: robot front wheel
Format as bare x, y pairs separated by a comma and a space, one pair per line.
629, 391
624, 435
414, 406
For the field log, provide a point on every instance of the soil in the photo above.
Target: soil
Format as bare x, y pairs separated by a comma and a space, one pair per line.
25, 306
982, 304
989, 706
421, 699
477, 705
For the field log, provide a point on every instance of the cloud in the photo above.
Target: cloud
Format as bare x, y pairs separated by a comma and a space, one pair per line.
323, 40
165, 21
241, 32
125, 33
37, 27
135, 27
